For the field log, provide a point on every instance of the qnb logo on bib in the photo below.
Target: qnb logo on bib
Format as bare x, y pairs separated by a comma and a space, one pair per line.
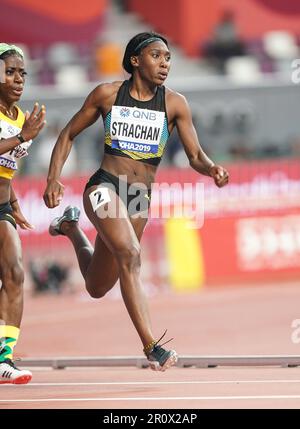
124, 112
149, 115
137, 130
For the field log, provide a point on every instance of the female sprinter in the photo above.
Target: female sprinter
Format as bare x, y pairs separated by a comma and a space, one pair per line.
138, 114
16, 132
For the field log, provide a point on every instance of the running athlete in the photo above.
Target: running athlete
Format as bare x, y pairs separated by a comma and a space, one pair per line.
16, 133
138, 114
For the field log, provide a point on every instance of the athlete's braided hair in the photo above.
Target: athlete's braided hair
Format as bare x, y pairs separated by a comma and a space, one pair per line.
136, 44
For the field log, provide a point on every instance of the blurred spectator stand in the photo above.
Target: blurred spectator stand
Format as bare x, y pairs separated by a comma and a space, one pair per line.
225, 42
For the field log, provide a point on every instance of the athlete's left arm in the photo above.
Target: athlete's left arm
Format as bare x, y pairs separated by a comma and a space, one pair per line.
198, 159
17, 213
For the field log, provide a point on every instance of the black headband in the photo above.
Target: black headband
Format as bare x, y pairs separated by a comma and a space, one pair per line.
146, 42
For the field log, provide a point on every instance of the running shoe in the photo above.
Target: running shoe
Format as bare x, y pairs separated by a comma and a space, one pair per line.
71, 214
160, 359
9, 373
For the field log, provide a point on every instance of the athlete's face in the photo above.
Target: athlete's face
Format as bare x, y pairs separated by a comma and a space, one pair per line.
12, 83
154, 62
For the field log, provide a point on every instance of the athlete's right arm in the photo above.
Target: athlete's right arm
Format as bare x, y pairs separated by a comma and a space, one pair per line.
86, 116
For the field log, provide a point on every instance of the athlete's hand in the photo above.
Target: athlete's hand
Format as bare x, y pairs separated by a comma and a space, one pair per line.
220, 175
20, 219
34, 122
54, 193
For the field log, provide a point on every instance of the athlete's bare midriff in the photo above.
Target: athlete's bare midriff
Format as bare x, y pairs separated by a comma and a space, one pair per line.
4, 190
136, 171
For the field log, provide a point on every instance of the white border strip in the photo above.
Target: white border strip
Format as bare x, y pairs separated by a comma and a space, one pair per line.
162, 383
183, 361
159, 398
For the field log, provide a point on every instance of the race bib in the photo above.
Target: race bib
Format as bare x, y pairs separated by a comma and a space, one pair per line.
8, 159
99, 197
137, 130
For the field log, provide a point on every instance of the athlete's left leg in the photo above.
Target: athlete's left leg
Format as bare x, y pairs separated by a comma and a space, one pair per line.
11, 303
11, 274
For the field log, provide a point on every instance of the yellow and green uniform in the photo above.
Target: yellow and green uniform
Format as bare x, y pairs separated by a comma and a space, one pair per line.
8, 338
8, 165
10, 128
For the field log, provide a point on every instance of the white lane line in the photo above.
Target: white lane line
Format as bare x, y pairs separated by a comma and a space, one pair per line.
159, 398
147, 383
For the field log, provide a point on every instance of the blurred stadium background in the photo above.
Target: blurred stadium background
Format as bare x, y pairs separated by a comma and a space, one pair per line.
236, 64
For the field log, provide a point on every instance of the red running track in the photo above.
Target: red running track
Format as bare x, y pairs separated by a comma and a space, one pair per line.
237, 321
